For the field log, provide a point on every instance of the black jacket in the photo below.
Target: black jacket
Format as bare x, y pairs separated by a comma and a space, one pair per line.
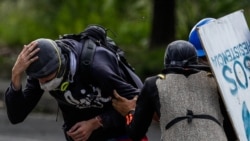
80, 101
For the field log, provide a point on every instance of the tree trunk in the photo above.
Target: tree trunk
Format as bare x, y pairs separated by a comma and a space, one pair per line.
163, 24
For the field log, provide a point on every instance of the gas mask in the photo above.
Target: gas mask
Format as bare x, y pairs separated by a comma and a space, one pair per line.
52, 84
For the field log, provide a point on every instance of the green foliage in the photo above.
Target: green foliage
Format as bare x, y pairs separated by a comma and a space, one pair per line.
129, 23
189, 12
148, 62
27, 20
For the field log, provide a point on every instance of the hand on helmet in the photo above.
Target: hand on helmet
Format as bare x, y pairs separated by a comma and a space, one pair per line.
25, 58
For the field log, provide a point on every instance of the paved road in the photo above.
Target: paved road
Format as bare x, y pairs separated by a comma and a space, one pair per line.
36, 127
40, 127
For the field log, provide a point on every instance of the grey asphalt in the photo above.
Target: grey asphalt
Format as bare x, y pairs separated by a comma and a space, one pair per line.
37, 127
42, 127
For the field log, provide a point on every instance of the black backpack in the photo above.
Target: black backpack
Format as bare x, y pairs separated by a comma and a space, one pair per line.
96, 36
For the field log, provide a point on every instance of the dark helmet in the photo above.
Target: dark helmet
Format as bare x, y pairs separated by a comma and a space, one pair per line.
194, 37
180, 53
50, 59
97, 32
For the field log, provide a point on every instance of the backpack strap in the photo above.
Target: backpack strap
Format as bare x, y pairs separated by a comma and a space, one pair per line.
88, 50
87, 55
190, 116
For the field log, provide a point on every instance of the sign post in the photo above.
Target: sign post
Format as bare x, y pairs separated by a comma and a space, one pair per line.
227, 45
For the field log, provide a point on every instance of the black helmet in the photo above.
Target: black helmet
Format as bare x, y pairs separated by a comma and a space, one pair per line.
50, 59
180, 53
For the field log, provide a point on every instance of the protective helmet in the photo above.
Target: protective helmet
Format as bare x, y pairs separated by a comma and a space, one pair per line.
97, 32
180, 53
50, 59
194, 37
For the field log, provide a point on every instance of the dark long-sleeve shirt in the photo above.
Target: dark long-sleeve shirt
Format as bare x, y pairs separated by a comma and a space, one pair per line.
80, 101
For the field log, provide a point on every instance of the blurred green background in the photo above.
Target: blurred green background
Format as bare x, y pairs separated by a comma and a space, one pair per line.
130, 23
